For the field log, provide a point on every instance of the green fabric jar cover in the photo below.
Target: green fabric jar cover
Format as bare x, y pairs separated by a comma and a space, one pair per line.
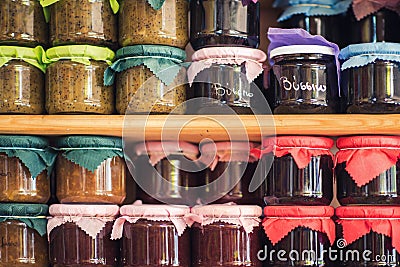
34, 56
80, 54
157, 4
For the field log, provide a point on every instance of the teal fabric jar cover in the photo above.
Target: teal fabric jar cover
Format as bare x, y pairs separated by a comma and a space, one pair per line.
164, 61
359, 55
33, 151
156, 4
33, 215
90, 151
311, 7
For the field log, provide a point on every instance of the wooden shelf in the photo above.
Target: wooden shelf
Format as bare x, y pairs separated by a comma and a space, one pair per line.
197, 128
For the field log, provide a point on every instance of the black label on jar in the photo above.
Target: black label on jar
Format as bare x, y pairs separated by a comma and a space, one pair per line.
4, 243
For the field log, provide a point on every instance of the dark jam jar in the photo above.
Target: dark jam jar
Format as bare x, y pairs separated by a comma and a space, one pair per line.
224, 23
80, 235
370, 75
304, 233
370, 234
165, 172
306, 79
368, 170
153, 235
226, 236
302, 171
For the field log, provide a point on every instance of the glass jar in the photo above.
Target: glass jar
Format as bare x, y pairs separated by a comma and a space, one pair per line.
90, 169
74, 80
359, 179
89, 22
302, 171
21, 80
229, 173
370, 235
153, 235
228, 235
305, 233
306, 82
154, 22
149, 79
224, 23
22, 22
80, 235
23, 235
221, 80
370, 77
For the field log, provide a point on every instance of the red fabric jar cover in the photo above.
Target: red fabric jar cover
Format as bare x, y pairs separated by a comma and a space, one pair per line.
359, 221
281, 220
363, 8
301, 148
367, 156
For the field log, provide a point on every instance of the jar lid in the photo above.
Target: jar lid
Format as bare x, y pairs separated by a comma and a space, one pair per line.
161, 51
363, 8
302, 49
298, 211
34, 56
147, 210
374, 141
113, 3
80, 53
84, 210
229, 52
299, 141
227, 211
23, 141
29, 210
227, 146
166, 147
84, 141
368, 212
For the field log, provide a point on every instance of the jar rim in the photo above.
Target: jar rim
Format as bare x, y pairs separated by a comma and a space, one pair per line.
370, 141
299, 212
227, 211
368, 212
84, 210
302, 49
154, 210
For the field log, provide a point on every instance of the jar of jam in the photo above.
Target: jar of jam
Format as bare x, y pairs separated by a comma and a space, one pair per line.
221, 80
90, 169
368, 235
370, 77
302, 171
224, 23
160, 22
305, 233
230, 169
25, 167
150, 79
153, 235
306, 79
21, 79
80, 235
165, 172
89, 22
22, 23
74, 80
368, 170
226, 235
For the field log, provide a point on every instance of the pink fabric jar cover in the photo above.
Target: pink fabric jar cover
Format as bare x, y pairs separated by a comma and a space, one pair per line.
363, 8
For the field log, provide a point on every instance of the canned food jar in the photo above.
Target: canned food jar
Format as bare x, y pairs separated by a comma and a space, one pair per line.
224, 23
221, 80
226, 235
26, 163
80, 235
230, 170
160, 22
368, 170
153, 235
149, 79
22, 80
90, 169
74, 80
305, 233
370, 75
302, 171
369, 232
23, 235
306, 79
91, 22
165, 172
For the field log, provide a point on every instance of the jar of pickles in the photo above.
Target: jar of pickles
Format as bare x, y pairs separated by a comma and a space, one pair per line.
153, 235
224, 23
23, 235
83, 22
80, 235
368, 170
26, 163
74, 80
22, 80
160, 22
90, 169
149, 79
226, 235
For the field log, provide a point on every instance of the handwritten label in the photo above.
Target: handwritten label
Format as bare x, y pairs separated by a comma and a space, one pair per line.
3, 174
304, 86
7, 244
221, 91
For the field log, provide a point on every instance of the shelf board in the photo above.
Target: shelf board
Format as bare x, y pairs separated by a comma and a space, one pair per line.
196, 128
